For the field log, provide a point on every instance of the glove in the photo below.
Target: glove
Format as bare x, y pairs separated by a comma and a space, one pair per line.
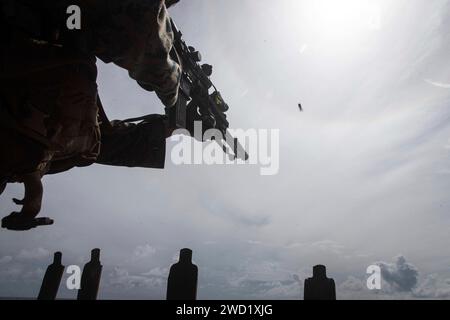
170, 3
192, 116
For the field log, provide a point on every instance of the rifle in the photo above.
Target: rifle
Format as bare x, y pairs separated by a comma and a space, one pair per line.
194, 94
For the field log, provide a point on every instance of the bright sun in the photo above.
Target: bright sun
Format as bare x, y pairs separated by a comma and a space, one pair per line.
342, 19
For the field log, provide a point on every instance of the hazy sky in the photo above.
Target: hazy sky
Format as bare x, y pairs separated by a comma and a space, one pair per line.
364, 170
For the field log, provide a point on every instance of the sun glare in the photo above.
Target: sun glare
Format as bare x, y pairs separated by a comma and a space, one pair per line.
342, 19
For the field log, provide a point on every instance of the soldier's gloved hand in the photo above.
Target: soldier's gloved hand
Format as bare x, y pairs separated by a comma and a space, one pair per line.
168, 101
192, 117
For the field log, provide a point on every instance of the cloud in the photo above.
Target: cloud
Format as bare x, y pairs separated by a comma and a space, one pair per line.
329, 245
268, 289
120, 277
401, 275
438, 84
34, 275
254, 242
432, 287
12, 273
26, 266
264, 280
235, 214
157, 272
33, 254
5, 259
144, 251
352, 284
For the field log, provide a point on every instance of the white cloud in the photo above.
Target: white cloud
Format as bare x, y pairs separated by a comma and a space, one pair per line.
157, 272
144, 251
328, 245
267, 289
352, 284
438, 84
122, 278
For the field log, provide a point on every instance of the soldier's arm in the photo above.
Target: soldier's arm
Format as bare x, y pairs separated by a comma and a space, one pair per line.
156, 70
136, 35
135, 145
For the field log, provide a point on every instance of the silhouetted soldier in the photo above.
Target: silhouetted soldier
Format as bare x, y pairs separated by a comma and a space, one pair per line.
90, 279
52, 279
319, 287
50, 114
182, 283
